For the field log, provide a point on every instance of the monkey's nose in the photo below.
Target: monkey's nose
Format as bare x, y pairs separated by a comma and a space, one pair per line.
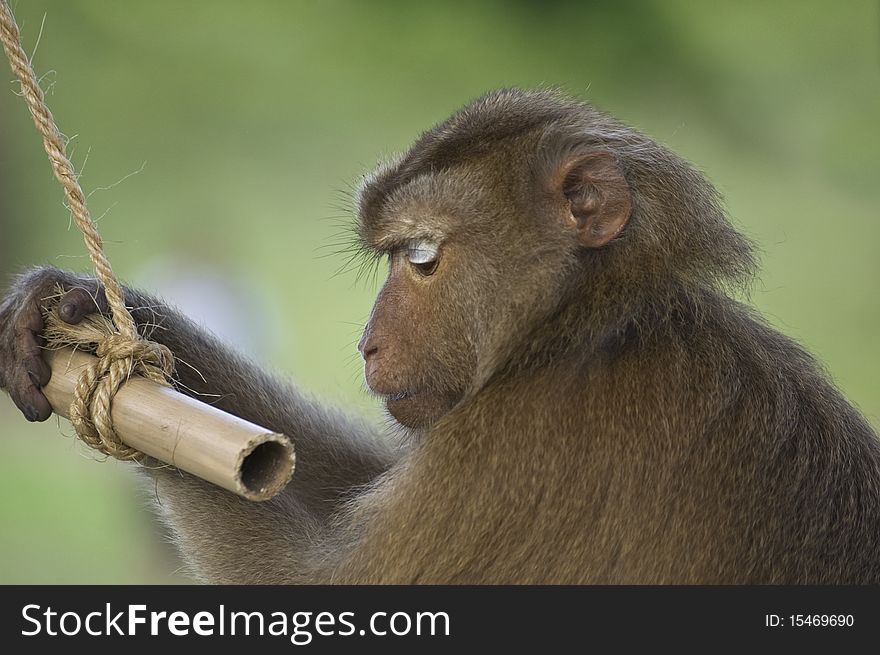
367, 347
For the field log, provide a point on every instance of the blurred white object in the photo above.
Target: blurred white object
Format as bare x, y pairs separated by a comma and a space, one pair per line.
223, 303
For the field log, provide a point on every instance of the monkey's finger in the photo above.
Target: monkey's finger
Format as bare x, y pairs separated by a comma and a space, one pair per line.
78, 303
28, 342
28, 398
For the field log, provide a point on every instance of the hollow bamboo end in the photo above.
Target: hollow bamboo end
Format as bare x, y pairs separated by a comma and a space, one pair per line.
265, 467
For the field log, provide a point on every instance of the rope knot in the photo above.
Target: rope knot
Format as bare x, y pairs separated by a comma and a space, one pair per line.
119, 357
146, 353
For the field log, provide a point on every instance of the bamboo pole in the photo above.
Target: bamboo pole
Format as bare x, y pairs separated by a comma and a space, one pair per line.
195, 437
148, 417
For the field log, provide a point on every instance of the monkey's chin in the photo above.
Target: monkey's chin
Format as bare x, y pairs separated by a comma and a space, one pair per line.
415, 410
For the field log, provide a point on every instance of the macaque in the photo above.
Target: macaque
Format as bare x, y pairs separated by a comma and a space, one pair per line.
575, 395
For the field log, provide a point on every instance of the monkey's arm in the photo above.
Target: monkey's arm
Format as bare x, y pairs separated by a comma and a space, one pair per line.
333, 451
224, 538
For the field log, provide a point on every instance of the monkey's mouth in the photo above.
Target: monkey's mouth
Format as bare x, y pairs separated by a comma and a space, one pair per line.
400, 395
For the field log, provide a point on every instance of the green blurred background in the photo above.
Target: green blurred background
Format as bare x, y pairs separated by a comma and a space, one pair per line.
248, 123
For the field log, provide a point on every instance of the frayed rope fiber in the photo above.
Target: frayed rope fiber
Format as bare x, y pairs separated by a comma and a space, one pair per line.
120, 349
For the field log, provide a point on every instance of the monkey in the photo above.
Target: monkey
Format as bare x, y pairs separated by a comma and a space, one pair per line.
574, 392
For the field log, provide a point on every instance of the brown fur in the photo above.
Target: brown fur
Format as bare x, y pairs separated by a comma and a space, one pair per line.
590, 414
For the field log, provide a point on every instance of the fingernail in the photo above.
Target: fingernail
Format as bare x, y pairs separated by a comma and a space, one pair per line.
30, 414
66, 310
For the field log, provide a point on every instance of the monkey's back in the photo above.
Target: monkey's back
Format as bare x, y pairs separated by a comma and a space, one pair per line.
815, 500
770, 474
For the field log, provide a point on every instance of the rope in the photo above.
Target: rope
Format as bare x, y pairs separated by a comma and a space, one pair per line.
121, 350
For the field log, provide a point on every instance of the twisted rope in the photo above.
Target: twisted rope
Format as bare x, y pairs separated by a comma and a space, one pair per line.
121, 350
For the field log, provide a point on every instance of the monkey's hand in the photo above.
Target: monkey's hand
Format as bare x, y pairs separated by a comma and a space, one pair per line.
23, 371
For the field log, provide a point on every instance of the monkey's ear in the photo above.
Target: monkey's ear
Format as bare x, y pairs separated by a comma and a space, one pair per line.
599, 197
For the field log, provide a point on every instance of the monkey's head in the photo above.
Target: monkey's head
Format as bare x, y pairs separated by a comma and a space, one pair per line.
516, 210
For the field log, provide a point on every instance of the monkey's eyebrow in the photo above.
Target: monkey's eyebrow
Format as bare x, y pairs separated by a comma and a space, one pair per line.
390, 245
367, 242
384, 247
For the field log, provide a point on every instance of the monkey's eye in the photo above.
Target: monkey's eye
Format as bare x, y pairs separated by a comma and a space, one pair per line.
422, 255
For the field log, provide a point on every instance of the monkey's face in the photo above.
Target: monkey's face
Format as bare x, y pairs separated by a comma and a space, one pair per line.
479, 254
424, 340
418, 347
461, 280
